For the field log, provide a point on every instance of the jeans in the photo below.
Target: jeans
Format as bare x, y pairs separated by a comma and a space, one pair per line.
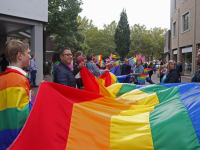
33, 77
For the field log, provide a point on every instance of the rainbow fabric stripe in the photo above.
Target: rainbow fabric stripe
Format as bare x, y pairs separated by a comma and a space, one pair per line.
102, 63
54, 67
29, 80
92, 84
141, 79
163, 69
118, 63
116, 71
166, 117
147, 70
108, 79
132, 62
99, 57
14, 105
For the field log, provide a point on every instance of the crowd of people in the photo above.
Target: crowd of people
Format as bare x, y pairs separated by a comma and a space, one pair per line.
20, 62
65, 68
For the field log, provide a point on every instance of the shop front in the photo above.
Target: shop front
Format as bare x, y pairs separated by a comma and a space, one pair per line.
187, 59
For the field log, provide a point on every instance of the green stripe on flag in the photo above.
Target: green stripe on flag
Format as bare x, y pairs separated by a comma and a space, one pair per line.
170, 123
126, 88
13, 118
152, 88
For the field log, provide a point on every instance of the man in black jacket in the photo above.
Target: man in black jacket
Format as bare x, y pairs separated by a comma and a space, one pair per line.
63, 73
126, 68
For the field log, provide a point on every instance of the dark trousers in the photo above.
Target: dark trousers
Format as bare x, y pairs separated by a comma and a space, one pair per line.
179, 78
33, 77
161, 76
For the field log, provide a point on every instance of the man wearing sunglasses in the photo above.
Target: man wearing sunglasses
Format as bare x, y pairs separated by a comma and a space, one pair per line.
63, 73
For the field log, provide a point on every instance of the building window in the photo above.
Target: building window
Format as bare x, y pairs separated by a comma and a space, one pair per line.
186, 19
174, 29
174, 4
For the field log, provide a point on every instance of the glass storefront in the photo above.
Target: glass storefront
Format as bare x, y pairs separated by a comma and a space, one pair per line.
188, 63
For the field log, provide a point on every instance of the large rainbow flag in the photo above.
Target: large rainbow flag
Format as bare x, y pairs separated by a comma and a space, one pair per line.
14, 105
166, 117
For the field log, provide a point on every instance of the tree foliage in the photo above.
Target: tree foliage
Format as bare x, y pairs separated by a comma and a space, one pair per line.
63, 25
99, 41
122, 36
70, 30
149, 43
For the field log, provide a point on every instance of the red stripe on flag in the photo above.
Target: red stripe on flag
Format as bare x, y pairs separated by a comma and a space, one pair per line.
49, 122
106, 76
89, 81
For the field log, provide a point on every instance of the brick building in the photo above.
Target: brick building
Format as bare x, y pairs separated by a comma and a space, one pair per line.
185, 34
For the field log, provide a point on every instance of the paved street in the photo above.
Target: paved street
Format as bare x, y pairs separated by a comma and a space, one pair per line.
154, 78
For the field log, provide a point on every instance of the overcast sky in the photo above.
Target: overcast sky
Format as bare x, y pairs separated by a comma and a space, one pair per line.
151, 13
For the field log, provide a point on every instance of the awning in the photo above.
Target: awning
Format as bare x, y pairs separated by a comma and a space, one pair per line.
175, 52
187, 50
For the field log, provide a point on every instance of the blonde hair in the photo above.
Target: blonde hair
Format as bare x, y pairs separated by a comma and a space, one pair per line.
12, 49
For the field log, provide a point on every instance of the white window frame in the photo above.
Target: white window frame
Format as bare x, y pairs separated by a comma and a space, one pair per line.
183, 31
173, 29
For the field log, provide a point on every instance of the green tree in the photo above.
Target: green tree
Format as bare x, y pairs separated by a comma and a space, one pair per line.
100, 42
137, 37
158, 36
149, 43
63, 24
122, 36
106, 44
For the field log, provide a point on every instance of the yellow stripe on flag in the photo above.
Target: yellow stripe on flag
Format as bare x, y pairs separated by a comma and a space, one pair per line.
142, 98
114, 88
131, 129
13, 97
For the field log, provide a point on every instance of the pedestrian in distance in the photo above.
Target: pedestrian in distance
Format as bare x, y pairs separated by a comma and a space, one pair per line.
33, 70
